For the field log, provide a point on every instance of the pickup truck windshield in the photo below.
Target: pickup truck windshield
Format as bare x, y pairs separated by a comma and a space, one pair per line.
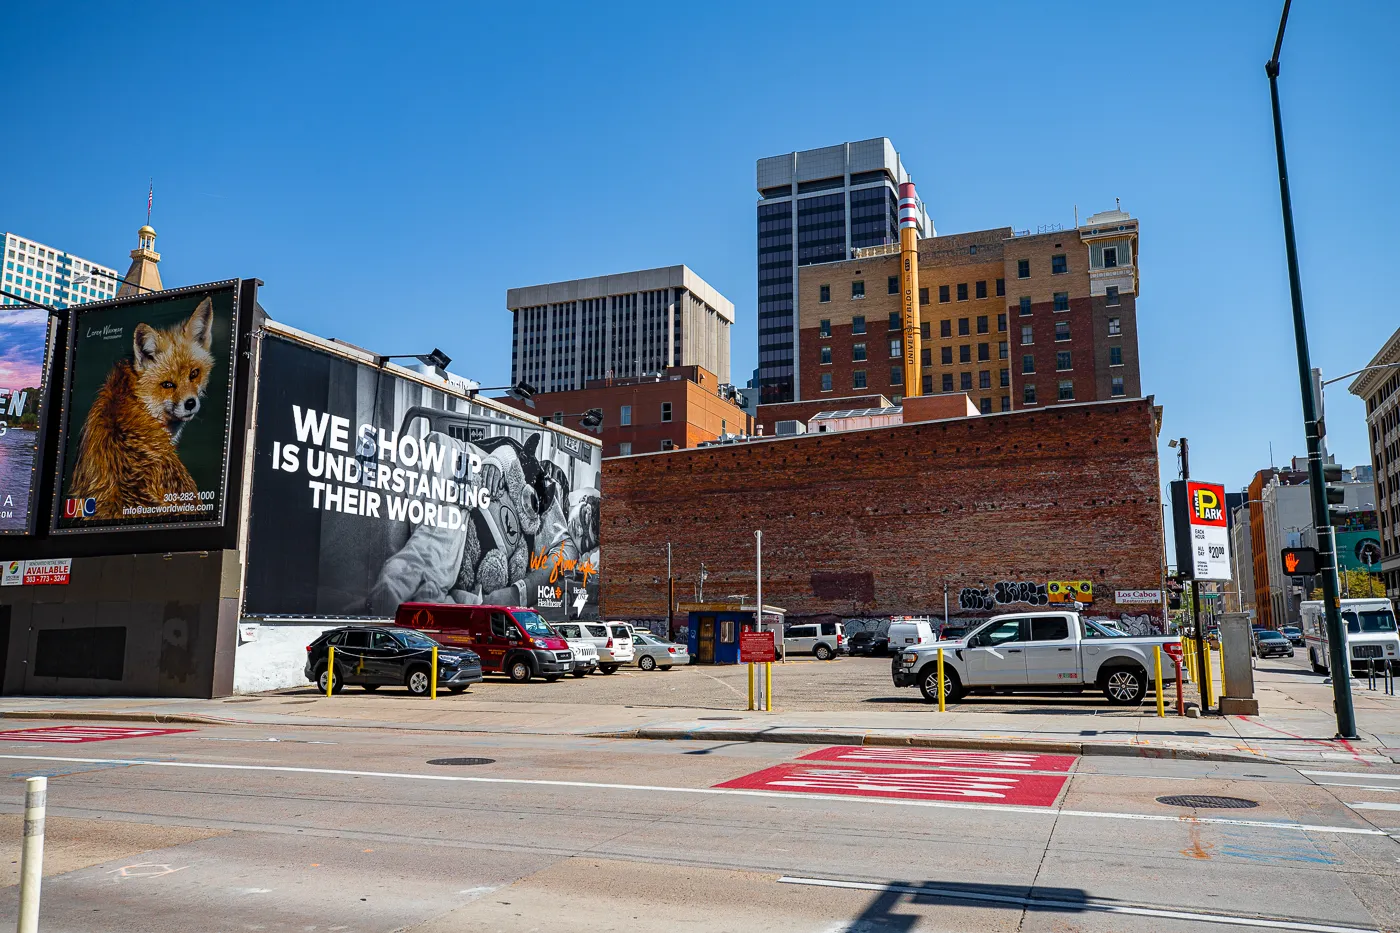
1369, 621
1095, 630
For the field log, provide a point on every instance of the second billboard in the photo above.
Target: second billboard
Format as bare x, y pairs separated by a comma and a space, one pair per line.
370, 489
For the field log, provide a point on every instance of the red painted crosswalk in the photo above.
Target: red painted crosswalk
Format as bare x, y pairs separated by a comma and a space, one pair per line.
943, 757
76, 734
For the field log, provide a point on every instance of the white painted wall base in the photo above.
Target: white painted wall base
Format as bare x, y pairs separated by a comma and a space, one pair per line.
276, 657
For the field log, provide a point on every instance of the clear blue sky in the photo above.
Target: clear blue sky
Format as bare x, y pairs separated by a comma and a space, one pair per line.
389, 171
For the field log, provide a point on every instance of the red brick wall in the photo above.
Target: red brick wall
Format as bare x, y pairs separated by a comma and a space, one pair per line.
1065, 494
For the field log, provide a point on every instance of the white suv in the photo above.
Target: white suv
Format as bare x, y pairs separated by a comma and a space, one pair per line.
613, 641
585, 654
821, 639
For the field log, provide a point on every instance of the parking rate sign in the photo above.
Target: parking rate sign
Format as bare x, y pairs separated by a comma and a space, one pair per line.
1210, 534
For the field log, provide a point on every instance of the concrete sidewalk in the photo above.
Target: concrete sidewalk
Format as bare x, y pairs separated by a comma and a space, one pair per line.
1295, 723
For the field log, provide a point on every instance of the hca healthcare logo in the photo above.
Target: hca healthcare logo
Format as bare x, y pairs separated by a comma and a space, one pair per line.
79, 508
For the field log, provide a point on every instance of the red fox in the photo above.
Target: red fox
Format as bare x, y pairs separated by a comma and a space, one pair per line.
127, 456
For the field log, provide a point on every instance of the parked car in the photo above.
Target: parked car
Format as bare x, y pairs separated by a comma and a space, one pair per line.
821, 639
585, 655
612, 641
1294, 635
374, 656
1038, 651
911, 632
1271, 644
511, 640
653, 651
870, 644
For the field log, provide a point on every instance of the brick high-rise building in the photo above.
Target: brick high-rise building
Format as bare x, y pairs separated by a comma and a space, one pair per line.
1380, 388
1014, 320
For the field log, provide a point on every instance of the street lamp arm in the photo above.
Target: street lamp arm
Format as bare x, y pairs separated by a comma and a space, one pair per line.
1364, 369
56, 312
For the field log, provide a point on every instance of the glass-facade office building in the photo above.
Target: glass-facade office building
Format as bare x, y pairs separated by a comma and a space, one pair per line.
44, 274
817, 206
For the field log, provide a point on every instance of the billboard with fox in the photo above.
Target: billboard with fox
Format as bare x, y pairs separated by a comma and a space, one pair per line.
26, 340
371, 489
147, 411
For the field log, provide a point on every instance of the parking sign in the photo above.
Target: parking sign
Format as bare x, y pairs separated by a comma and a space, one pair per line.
1210, 534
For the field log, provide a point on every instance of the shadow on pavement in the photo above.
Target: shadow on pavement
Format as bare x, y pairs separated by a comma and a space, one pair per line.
882, 911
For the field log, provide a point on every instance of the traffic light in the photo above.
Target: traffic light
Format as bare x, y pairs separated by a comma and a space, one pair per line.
1336, 495
1299, 561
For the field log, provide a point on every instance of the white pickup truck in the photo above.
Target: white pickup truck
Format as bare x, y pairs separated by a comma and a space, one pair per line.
1039, 651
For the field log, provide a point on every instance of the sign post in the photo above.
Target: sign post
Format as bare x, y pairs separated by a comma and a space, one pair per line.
1204, 553
758, 648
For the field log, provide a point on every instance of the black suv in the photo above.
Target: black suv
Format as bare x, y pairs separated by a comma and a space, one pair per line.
372, 656
868, 643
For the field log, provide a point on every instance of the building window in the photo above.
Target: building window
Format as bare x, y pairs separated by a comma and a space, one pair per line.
858, 352
893, 285
1062, 301
982, 289
925, 357
982, 324
928, 385
825, 293
1066, 390
1115, 356
962, 292
1002, 350
858, 378
965, 353
1110, 257
1118, 385
945, 328
896, 350
985, 406
626, 415
1005, 377
1115, 327
947, 382
1001, 288
826, 327
1111, 296
624, 449
826, 356
1001, 323
1062, 330
1063, 361
923, 296
984, 379
665, 411
1058, 265
558, 417
943, 294
1006, 403
924, 329
947, 356
858, 324
1027, 363
1027, 335
667, 443
964, 327
896, 375
1027, 395
1025, 306
965, 381
1023, 268
826, 382
894, 321
858, 289
984, 352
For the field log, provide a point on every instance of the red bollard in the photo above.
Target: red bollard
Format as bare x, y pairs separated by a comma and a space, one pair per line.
1180, 699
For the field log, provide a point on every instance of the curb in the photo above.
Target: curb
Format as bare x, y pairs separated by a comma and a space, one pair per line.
163, 718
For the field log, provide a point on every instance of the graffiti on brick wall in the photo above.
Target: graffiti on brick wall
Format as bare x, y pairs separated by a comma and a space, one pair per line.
1143, 624
1002, 593
876, 626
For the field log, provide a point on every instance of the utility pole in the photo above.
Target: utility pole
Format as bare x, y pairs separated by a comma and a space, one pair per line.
670, 593
1313, 428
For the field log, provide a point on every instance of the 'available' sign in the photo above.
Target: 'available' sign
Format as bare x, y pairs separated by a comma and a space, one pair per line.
36, 572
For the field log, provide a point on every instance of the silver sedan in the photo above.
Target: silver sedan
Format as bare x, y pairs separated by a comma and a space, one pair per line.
654, 651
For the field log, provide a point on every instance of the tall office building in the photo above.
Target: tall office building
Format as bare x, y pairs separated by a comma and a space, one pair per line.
50, 276
817, 206
617, 326
1379, 387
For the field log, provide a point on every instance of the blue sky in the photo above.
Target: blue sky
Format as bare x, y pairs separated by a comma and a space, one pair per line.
389, 171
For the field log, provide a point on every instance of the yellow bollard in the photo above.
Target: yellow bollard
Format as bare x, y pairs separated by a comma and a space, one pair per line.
1191, 659
330, 670
1207, 688
751, 685
432, 681
942, 703
768, 686
1161, 700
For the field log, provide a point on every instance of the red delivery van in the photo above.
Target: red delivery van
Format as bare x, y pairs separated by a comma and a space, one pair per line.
511, 640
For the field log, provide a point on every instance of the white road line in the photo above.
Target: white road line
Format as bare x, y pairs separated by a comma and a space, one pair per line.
1374, 787
1352, 774
1088, 904
1374, 806
717, 791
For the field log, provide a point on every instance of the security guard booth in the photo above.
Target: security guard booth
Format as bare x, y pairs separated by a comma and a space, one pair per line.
714, 629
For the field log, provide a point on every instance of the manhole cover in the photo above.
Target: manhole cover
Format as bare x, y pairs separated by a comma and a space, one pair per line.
719, 718
462, 761
1207, 802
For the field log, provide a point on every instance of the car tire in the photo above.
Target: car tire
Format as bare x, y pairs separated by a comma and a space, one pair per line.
336, 687
369, 688
1312, 659
518, 670
608, 668
822, 652
667, 667
579, 673
647, 662
1125, 686
419, 681
952, 686
458, 689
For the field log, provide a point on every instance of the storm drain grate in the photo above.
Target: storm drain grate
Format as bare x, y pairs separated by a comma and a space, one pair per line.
1207, 802
719, 718
462, 761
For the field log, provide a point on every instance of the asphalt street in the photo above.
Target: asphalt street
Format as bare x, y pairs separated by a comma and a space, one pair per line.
237, 828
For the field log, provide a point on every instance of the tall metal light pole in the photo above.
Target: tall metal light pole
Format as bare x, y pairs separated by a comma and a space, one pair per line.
1313, 429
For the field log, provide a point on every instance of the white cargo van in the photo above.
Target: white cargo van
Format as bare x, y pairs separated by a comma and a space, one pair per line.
1371, 634
905, 633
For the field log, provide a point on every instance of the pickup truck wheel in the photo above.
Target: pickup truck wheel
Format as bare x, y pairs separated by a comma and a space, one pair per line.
822, 652
1125, 686
952, 687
